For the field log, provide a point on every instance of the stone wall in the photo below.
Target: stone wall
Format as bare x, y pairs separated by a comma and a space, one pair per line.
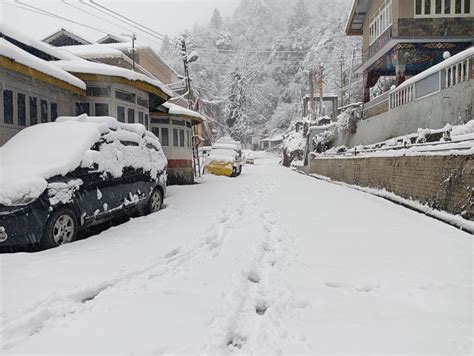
444, 182
434, 27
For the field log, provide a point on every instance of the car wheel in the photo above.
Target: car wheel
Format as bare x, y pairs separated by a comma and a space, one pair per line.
61, 228
155, 202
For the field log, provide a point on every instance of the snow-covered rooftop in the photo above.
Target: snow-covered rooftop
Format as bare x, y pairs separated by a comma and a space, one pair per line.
101, 50
27, 40
18, 55
174, 109
79, 65
95, 50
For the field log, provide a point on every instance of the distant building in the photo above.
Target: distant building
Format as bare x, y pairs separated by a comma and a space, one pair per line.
330, 105
268, 143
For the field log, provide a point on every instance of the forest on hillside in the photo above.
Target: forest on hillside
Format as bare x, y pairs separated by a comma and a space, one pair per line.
253, 67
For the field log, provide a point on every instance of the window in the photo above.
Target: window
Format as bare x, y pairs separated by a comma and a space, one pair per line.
178, 122
8, 106
54, 111
188, 137
175, 137
165, 140
21, 106
97, 91
83, 108
146, 121
160, 121
156, 132
447, 6
142, 102
418, 7
121, 113
131, 116
33, 110
381, 20
125, 96
181, 138
140, 117
101, 109
443, 8
44, 111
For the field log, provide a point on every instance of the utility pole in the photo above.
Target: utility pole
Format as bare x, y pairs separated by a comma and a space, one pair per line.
350, 75
321, 91
195, 138
342, 78
312, 107
186, 72
134, 37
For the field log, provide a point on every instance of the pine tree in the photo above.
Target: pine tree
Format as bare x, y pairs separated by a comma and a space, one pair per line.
216, 20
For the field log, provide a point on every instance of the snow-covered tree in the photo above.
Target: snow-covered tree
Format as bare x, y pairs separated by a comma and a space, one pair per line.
299, 17
216, 20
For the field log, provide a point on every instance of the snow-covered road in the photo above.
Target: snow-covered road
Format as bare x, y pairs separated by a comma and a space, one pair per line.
272, 261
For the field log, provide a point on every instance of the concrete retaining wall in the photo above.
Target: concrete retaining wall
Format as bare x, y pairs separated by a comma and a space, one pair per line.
443, 182
450, 106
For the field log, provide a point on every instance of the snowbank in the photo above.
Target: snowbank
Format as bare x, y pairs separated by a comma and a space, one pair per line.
15, 53
58, 148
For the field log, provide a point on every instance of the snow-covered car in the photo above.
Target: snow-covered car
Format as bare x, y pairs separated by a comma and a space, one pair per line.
225, 158
60, 177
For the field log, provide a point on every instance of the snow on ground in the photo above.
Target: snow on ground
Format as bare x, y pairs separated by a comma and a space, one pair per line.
271, 261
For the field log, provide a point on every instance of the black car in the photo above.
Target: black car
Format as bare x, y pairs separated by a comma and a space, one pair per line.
107, 170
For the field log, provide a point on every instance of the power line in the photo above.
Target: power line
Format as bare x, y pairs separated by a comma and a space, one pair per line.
113, 23
156, 34
47, 13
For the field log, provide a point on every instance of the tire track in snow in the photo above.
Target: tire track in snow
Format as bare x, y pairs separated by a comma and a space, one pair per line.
60, 306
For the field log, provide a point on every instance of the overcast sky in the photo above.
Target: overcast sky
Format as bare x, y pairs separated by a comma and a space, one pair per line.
169, 17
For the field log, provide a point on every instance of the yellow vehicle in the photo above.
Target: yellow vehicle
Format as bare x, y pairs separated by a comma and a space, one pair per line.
225, 159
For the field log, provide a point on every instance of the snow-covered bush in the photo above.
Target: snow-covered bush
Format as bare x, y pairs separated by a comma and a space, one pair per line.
347, 122
323, 141
293, 148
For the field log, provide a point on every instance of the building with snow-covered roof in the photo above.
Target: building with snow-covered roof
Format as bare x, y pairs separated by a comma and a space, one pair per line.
174, 125
34, 90
113, 91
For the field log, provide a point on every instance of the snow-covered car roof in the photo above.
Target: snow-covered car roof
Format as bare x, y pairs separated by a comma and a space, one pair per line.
226, 146
18, 55
228, 155
57, 148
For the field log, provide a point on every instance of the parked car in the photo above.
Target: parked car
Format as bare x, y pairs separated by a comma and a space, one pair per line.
78, 172
225, 158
